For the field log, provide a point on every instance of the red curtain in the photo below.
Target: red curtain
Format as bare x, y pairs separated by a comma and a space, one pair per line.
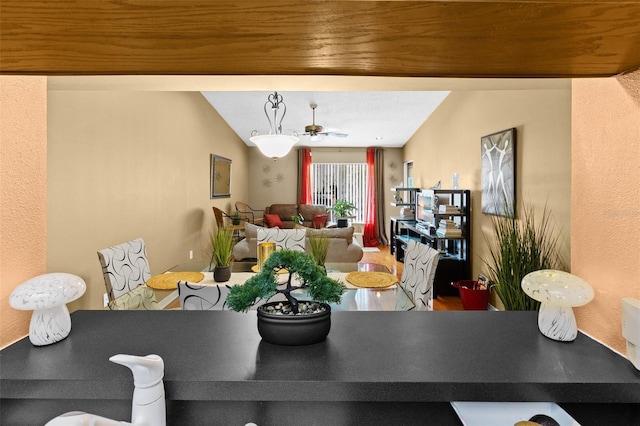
370, 237
305, 176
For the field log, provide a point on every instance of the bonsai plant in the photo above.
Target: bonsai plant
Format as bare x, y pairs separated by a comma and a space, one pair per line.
290, 322
342, 210
222, 246
520, 246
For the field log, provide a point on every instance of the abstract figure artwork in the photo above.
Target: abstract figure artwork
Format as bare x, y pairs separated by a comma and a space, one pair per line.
498, 173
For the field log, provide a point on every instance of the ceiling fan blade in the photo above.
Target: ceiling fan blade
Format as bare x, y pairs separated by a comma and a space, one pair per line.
336, 134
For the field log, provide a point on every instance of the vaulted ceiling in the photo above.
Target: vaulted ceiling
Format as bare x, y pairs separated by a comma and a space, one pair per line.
463, 38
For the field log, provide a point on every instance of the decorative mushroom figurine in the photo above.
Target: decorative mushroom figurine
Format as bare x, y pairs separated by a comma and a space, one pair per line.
558, 292
48, 295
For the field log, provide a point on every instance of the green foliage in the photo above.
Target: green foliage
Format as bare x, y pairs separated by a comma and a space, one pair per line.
521, 246
222, 245
342, 208
319, 244
236, 218
263, 285
298, 218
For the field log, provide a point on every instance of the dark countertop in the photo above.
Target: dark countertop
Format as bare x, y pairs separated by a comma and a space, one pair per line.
369, 357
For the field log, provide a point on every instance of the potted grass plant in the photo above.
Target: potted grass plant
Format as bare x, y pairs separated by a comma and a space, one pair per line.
222, 246
517, 247
319, 245
289, 322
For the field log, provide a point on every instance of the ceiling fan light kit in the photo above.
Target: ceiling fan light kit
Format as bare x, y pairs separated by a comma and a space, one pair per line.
275, 144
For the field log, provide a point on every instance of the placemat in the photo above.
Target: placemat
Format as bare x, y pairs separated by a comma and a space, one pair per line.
169, 281
366, 279
254, 268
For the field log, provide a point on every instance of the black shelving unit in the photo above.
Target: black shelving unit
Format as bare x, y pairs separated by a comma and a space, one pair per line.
455, 251
404, 197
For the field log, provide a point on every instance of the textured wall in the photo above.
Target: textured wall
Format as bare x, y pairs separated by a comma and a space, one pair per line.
605, 208
23, 193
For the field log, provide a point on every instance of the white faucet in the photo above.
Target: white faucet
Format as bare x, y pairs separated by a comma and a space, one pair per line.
148, 405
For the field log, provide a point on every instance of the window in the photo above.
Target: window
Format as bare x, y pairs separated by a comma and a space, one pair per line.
340, 181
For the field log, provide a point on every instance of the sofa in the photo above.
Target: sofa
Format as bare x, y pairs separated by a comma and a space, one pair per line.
342, 246
285, 212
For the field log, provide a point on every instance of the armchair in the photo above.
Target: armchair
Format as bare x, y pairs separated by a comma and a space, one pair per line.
248, 213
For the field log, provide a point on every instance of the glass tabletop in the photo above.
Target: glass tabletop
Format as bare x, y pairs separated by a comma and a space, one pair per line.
362, 299
245, 266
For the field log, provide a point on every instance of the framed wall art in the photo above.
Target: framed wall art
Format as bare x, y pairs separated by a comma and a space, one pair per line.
220, 177
499, 173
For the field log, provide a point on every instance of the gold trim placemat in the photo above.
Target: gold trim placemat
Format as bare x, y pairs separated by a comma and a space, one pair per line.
367, 279
169, 281
254, 268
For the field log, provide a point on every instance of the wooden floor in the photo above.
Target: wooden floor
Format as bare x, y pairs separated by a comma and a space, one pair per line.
441, 303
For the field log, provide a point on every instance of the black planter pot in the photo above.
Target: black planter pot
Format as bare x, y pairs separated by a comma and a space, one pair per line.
343, 222
293, 330
221, 274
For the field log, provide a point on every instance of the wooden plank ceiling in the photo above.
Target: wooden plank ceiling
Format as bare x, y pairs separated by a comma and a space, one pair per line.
463, 38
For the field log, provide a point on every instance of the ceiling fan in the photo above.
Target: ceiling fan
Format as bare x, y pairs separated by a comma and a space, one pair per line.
315, 130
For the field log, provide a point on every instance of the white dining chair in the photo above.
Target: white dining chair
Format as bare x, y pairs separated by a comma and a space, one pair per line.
202, 297
420, 263
141, 298
124, 267
292, 239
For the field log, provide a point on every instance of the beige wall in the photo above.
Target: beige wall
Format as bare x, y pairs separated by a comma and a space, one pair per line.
23, 193
272, 181
127, 164
605, 210
449, 142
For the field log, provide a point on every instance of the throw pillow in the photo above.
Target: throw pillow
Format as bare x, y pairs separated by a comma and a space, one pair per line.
273, 221
320, 220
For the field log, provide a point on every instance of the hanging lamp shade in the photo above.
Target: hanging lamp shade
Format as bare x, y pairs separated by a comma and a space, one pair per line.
274, 144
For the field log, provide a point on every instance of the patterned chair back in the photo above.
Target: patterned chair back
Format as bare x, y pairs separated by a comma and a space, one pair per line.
202, 297
420, 263
292, 239
124, 267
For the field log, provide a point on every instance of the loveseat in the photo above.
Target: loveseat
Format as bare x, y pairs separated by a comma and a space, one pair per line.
342, 246
285, 212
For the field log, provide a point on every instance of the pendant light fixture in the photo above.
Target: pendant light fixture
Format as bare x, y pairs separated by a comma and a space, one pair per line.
275, 144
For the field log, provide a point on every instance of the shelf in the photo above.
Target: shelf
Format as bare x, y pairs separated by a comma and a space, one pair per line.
407, 238
405, 189
455, 258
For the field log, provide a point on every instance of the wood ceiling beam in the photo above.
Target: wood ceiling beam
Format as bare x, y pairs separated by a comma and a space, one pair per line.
461, 38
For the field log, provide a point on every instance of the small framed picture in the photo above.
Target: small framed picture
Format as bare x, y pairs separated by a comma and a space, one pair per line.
220, 177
